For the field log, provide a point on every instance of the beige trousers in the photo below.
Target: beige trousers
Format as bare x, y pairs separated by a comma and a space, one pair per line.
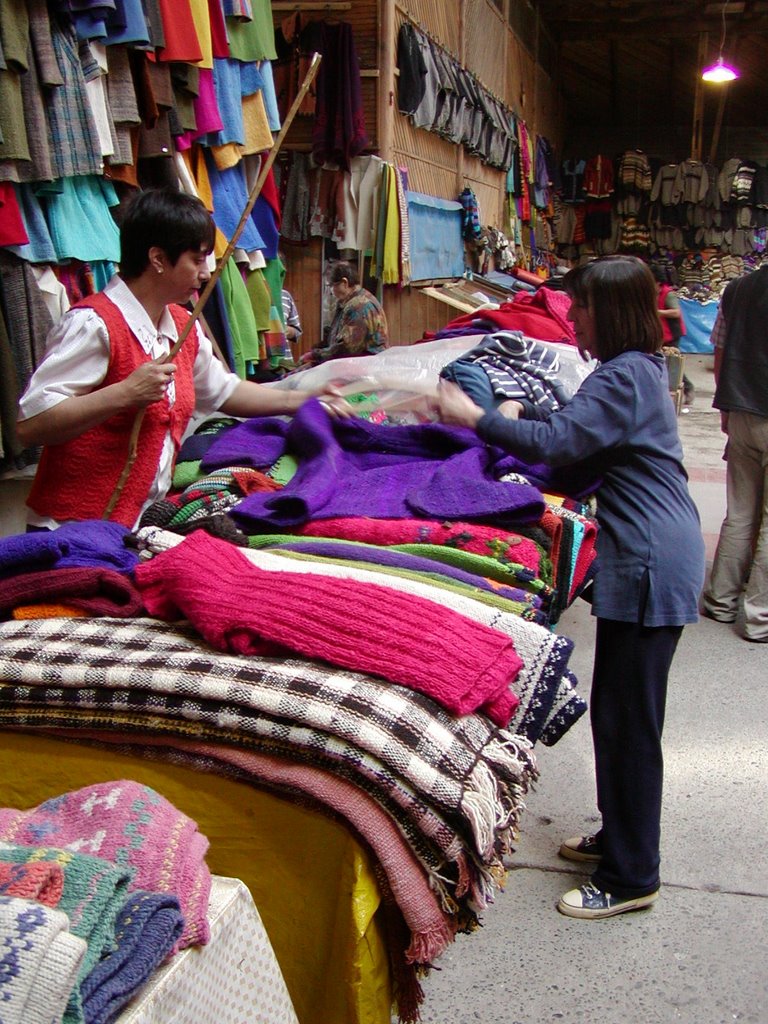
740, 567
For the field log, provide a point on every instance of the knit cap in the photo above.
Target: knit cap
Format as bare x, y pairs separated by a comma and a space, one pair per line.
238, 607
40, 961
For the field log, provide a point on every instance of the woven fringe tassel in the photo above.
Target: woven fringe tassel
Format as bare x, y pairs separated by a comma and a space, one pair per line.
515, 756
480, 807
425, 947
441, 887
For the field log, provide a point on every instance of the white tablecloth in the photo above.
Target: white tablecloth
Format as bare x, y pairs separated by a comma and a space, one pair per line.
234, 979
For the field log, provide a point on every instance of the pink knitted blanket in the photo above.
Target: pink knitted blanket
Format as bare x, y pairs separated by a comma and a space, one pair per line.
237, 607
131, 825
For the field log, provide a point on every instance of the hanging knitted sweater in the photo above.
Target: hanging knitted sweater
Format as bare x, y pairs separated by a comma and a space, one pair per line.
240, 608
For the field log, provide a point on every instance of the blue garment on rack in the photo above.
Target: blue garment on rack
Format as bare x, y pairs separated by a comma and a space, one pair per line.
40, 247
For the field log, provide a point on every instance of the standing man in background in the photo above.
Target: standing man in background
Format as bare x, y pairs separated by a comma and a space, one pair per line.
740, 567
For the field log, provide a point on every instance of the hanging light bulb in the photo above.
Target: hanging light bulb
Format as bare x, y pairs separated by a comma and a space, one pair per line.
720, 71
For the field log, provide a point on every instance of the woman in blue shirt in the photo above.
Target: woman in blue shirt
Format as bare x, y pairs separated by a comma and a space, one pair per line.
621, 427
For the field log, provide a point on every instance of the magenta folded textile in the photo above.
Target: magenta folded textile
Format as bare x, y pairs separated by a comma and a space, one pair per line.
237, 607
96, 591
500, 544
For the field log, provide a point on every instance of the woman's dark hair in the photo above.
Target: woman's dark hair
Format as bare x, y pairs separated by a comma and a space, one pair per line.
621, 292
167, 218
342, 270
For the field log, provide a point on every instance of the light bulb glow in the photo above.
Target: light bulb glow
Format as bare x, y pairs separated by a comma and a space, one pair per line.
719, 72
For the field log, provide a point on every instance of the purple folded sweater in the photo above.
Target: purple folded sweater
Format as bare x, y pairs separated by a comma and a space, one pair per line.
353, 467
93, 542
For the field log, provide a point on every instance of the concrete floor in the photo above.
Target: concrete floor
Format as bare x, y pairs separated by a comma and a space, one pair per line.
700, 955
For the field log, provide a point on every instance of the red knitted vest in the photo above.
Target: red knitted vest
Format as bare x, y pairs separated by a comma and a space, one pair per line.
75, 480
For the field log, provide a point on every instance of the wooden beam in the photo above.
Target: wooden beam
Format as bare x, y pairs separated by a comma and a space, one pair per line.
698, 100
385, 94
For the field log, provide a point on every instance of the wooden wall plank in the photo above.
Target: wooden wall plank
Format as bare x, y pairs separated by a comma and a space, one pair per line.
504, 66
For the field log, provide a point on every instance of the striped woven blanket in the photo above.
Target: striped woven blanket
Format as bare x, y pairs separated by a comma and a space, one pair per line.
457, 784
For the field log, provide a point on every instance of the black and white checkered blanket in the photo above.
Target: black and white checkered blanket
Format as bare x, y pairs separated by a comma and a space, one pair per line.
456, 785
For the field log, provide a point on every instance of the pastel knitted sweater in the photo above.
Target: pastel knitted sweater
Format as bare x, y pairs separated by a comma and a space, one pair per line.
240, 608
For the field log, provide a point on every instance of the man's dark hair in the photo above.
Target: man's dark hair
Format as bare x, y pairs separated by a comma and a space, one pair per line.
659, 274
342, 270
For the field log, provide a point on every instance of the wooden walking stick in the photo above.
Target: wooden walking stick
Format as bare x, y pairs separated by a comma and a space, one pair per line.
133, 442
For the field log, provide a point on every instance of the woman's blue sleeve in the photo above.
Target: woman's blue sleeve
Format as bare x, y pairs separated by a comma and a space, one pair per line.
601, 415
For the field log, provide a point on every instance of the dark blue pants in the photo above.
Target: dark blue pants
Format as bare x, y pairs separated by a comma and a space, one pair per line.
629, 692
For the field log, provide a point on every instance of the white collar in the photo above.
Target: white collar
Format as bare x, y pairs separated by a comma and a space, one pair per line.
137, 317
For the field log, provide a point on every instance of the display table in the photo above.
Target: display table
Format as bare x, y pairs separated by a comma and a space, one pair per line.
234, 978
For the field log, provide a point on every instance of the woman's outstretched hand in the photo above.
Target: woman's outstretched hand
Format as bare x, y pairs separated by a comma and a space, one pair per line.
334, 403
456, 407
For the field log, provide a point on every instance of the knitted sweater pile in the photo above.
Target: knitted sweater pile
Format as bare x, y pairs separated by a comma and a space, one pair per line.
129, 824
240, 608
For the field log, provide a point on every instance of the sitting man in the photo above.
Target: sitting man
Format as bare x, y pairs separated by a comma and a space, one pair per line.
359, 326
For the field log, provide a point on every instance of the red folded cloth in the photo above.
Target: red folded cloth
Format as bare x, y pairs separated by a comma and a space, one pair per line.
35, 880
94, 590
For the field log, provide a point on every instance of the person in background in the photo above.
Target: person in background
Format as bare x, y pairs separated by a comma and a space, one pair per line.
672, 323
291, 317
102, 366
620, 426
738, 584
359, 325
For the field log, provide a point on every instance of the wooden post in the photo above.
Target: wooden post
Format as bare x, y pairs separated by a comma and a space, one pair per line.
386, 104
